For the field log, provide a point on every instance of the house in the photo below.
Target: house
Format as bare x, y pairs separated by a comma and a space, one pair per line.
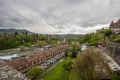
115, 27
25, 63
9, 73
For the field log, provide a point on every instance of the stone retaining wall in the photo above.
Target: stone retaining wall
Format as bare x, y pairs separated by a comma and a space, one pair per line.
114, 50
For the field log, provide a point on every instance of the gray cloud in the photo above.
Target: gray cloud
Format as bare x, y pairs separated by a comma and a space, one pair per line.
58, 16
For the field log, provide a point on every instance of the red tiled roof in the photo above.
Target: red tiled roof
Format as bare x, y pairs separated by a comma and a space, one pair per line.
118, 21
21, 62
114, 24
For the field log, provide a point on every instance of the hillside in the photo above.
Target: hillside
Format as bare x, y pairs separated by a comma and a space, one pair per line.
14, 30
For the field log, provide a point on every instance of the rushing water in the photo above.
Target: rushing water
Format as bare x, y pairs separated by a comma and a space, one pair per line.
19, 54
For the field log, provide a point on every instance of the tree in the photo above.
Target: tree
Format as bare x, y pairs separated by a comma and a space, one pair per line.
15, 40
34, 72
115, 76
85, 68
86, 38
66, 53
107, 32
74, 50
74, 54
85, 65
69, 54
67, 65
16, 33
117, 39
22, 47
94, 39
26, 33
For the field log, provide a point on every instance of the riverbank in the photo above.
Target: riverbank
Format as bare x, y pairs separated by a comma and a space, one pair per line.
17, 53
9, 51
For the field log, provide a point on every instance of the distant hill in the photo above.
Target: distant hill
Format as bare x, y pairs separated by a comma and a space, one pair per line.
48, 35
14, 30
72, 35
64, 36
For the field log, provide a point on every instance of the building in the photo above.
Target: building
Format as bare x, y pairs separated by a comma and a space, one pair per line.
115, 26
9, 73
25, 63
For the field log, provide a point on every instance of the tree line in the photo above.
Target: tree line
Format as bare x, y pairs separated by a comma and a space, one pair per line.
17, 40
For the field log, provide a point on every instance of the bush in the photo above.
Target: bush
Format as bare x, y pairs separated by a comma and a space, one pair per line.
34, 72
67, 65
28, 44
22, 47
107, 32
84, 66
69, 54
74, 54
117, 39
115, 76
66, 54
86, 38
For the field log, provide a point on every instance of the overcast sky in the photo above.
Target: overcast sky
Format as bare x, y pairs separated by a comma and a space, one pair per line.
58, 16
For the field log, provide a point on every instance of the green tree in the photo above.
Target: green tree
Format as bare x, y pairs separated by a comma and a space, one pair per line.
117, 39
107, 32
67, 65
94, 39
74, 50
34, 72
74, 54
85, 68
69, 54
86, 38
115, 76
22, 47
66, 53
84, 65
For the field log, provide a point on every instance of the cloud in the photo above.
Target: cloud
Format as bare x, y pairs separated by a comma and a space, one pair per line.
58, 16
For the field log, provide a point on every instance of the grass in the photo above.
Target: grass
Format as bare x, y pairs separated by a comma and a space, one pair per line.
58, 72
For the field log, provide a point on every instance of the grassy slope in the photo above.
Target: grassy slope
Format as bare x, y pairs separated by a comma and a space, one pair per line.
57, 72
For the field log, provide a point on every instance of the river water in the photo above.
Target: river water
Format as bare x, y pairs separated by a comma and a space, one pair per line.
8, 56
19, 54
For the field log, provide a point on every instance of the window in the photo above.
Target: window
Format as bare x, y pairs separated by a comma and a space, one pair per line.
32, 63
19, 68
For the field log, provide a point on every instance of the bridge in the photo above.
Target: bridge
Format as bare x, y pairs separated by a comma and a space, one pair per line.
25, 63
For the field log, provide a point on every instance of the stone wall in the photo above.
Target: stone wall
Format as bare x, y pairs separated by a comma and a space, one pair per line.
114, 50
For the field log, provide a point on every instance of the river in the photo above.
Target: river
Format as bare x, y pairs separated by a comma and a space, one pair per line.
19, 54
